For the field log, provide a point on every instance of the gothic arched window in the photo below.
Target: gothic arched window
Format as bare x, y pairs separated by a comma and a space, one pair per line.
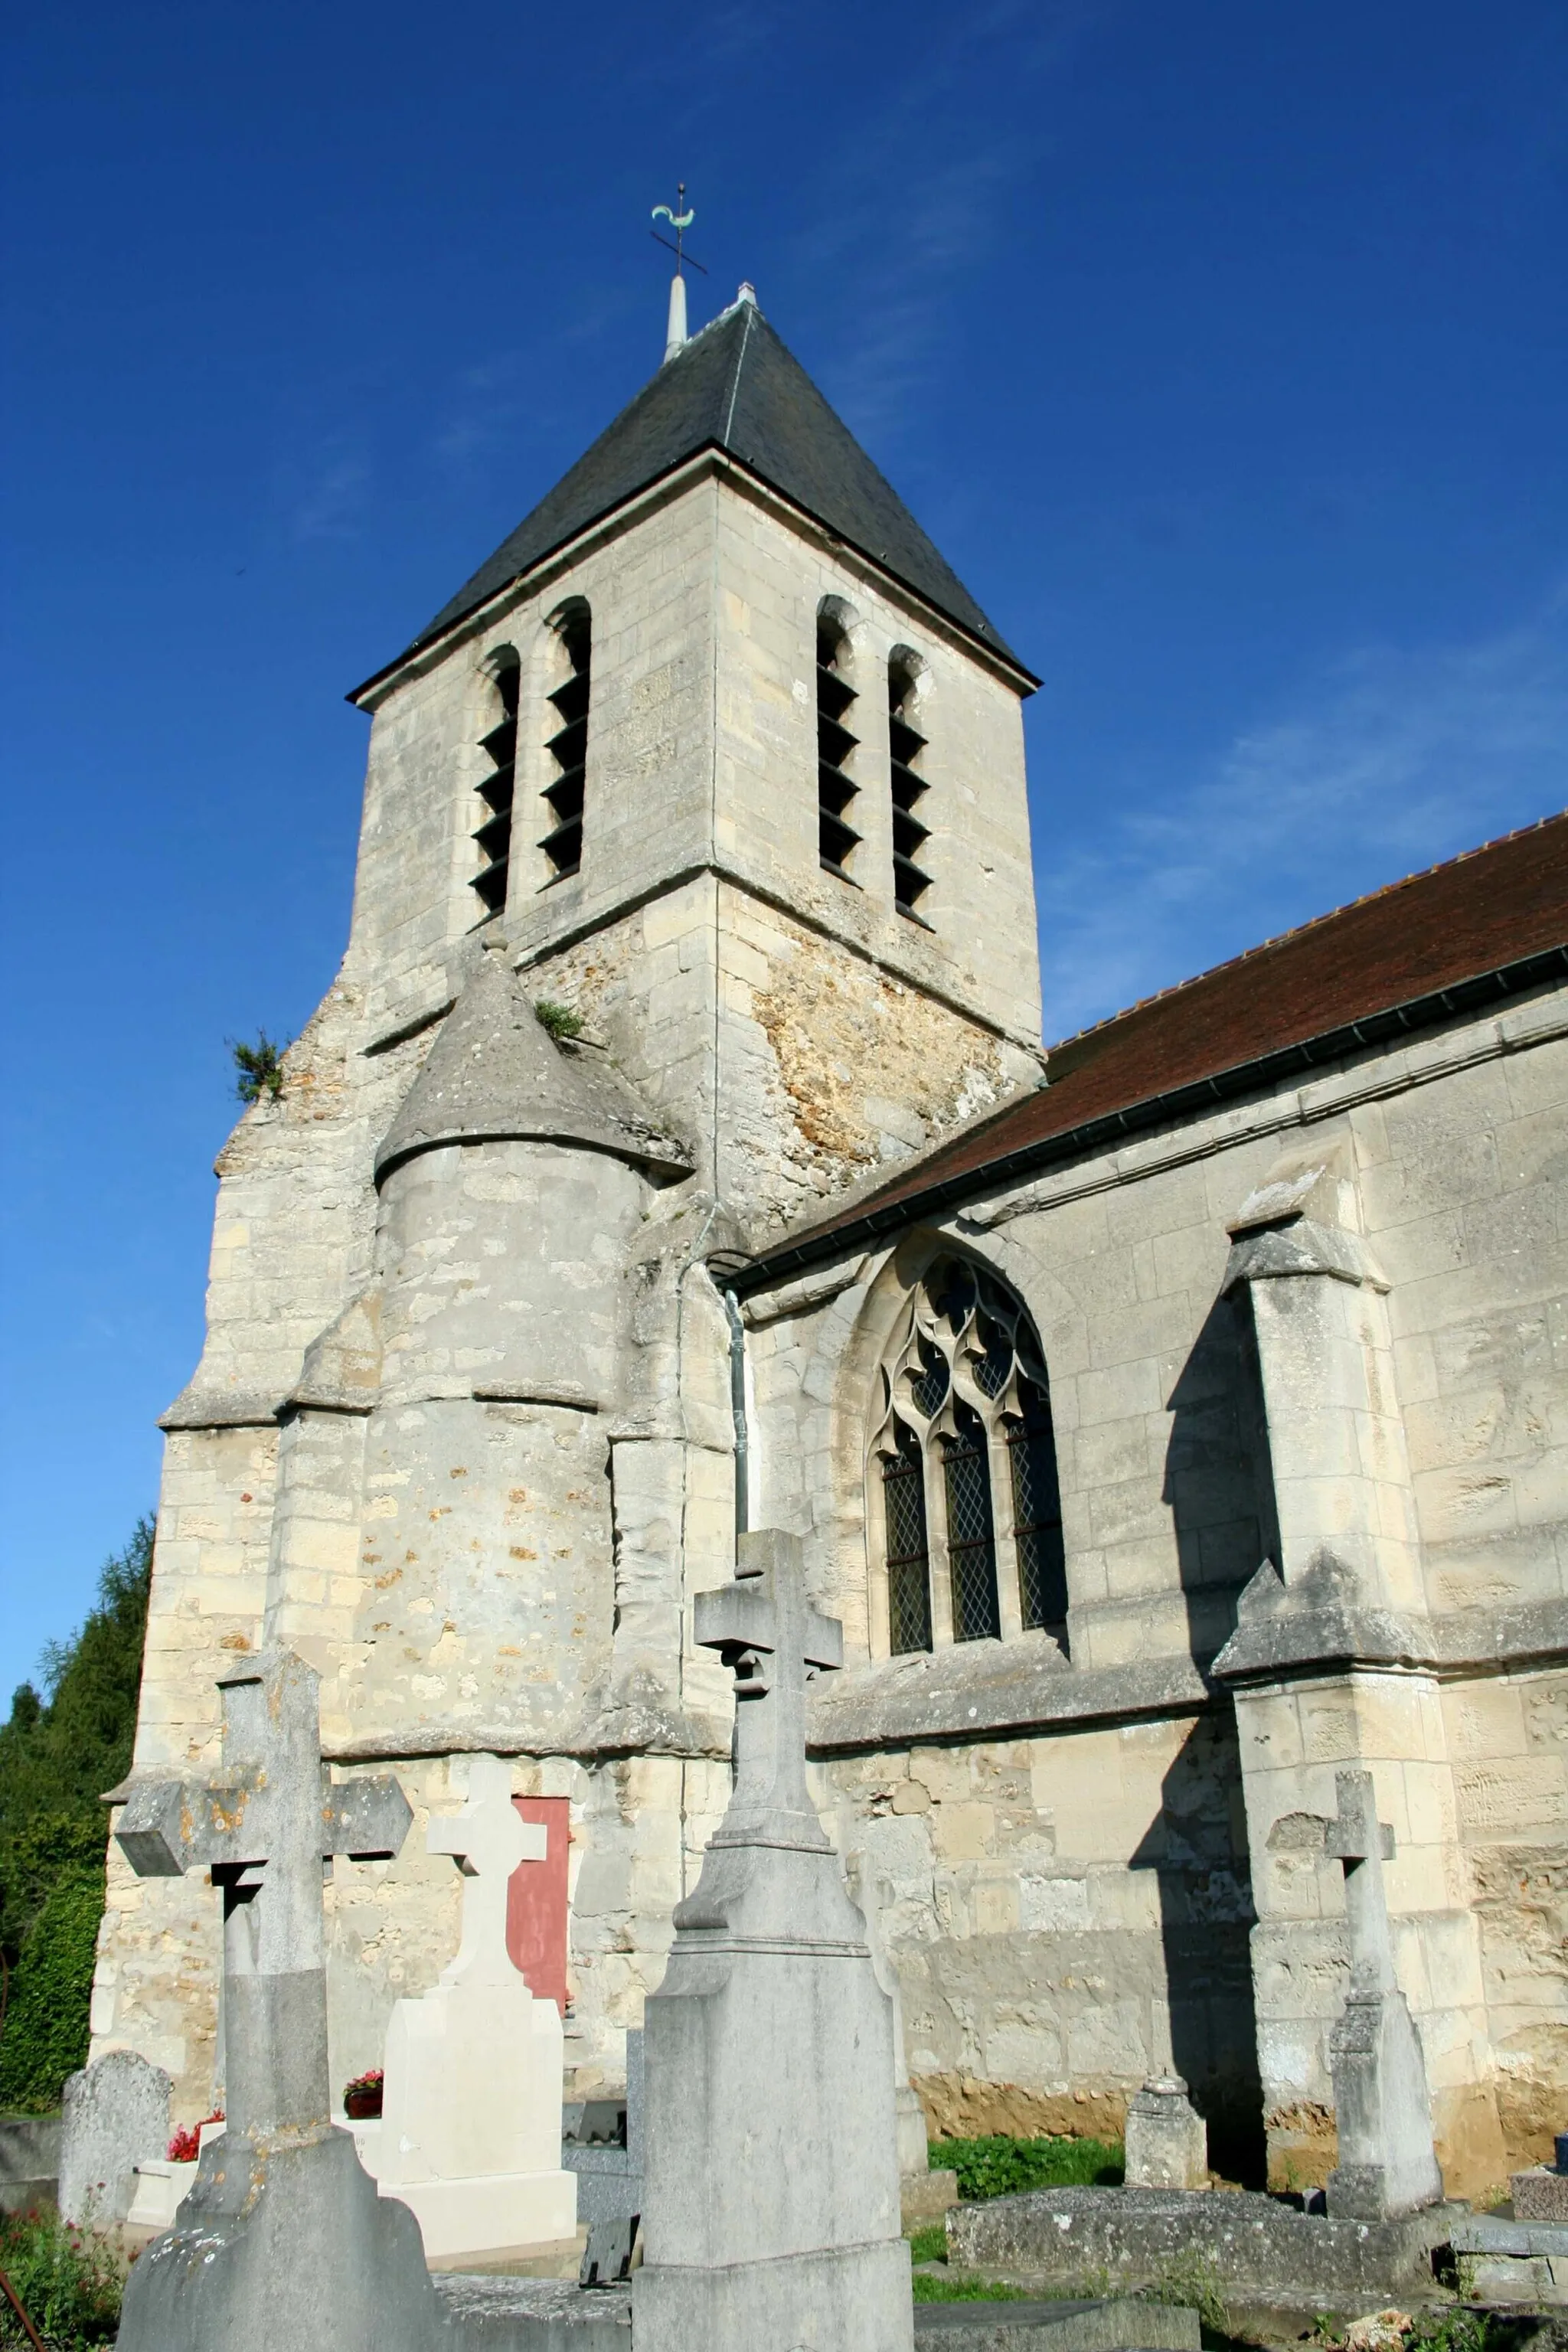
963, 1459
568, 742
493, 833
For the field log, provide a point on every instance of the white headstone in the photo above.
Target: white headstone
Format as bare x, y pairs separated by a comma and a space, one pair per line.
470, 2124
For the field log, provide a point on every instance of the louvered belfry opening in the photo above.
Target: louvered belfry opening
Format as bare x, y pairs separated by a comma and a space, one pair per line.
494, 836
568, 747
905, 743
835, 837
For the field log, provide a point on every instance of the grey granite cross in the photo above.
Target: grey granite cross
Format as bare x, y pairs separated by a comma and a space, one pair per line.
282, 2243
773, 1640
1363, 1843
1382, 2111
263, 1824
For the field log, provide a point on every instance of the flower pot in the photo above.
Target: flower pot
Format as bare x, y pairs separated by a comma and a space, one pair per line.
363, 2107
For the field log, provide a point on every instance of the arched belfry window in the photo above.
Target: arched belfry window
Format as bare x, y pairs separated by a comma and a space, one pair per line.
499, 743
567, 746
906, 746
965, 1516
835, 741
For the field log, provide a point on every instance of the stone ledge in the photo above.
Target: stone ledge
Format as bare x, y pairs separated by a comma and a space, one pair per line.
980, 1689
1256, 2248
1058, 2326
1276, 1639
1487, 2233
196, 1408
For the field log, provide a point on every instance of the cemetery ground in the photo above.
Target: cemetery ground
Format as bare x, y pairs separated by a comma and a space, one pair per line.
69, 2280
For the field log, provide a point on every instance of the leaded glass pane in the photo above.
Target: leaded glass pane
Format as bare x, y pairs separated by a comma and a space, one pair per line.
991, 1368
908, 1567
1038, 1513
931, 1386
970, 1542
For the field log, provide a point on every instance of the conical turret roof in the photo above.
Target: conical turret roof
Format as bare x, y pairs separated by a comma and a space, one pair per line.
734, 387
495, 1073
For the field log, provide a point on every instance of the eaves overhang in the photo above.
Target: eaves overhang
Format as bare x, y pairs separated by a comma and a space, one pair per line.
880, 1226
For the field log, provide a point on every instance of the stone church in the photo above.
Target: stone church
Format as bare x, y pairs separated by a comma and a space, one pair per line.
1170, 1417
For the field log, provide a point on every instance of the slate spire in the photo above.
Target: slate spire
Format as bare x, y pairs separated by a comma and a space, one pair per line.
736, 388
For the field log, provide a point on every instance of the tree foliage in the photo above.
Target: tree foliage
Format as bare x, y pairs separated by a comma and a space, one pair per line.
60, 1750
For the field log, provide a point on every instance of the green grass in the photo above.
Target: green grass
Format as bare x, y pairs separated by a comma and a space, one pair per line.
928, 2244
999, 2166
940, 2290
69, 2282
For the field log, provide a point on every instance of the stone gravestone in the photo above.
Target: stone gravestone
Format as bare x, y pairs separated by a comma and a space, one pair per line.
1167, 2141
771, 2203
470, 2128
1381, 2111
116, 2118
605, 2149
283, 2244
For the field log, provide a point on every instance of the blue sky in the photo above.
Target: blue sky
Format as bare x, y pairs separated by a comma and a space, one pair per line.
1220, 347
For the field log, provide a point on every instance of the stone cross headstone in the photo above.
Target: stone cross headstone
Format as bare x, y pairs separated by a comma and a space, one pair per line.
1382, 2113
282, 2242
470, 2125
771, 2194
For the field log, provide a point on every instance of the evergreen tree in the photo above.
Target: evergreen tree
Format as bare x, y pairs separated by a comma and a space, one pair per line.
59, 1753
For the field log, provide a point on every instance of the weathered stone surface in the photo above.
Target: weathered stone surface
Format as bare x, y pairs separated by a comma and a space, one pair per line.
29, 2161
282, 2249
1166, 2144
116, 2113
1253, 2247
1539, 2194
508, 2314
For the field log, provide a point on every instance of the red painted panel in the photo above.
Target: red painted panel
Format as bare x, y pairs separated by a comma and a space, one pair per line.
536, 1903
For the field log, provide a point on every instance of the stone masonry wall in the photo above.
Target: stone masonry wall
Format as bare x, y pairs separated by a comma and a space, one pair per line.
1120, 1259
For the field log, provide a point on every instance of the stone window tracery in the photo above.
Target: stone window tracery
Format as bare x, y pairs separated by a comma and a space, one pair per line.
967, 1542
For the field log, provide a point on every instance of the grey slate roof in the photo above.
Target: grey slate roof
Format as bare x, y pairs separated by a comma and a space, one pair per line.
734, 387
494, 1073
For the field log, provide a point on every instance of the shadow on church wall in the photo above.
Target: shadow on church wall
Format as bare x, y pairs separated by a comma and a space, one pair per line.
1217, 1484
1196, 1847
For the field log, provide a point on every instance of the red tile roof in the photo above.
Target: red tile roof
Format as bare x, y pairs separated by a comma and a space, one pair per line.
1336, 983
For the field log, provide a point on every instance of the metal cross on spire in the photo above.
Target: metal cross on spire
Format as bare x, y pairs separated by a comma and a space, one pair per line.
681, 219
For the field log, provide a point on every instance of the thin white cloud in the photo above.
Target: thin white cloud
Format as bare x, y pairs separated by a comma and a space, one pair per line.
1404, 756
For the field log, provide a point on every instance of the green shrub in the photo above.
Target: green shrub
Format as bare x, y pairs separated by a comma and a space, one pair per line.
69, 2282
258, 1068
998, 2166
558, 1021
1194, 2282
46, 2034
